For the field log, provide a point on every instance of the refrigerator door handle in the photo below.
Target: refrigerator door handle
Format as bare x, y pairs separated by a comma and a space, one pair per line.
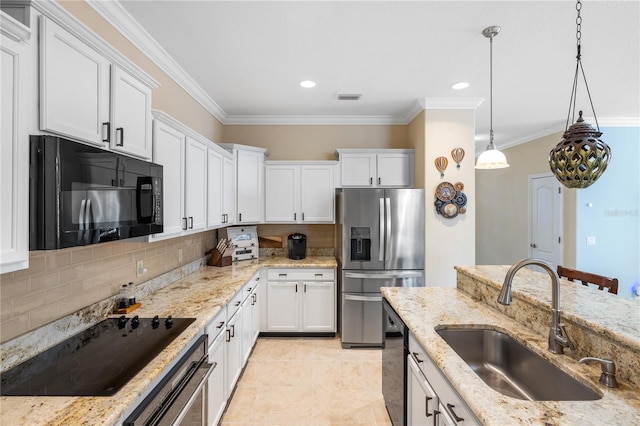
363, 298
383, 276
381, 232
388, 227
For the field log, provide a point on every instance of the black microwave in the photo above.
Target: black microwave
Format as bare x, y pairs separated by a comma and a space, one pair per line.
81, 195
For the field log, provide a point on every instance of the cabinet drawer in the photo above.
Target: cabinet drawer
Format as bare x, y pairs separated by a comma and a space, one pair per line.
234, 303
301, 274
250, 286
216, 325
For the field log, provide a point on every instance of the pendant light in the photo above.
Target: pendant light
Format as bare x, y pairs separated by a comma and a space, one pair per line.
581, 157
491, 158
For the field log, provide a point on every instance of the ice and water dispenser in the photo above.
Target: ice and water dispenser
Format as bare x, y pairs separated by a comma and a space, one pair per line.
361, 243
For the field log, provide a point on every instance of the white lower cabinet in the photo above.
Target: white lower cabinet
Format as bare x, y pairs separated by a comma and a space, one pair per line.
216, 389
301, 300
233, 339
431, 400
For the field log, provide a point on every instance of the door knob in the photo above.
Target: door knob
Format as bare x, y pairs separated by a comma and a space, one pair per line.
533, 245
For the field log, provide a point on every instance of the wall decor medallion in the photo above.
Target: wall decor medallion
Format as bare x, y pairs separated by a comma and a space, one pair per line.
450, 200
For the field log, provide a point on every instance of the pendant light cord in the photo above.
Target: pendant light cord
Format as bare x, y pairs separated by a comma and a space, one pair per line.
574, 90
491, 92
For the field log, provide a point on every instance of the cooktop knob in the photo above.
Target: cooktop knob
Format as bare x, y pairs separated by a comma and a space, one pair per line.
155, 322
168, 322
135, 322
122, 322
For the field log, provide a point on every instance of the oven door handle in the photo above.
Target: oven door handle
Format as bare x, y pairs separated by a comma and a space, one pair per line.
363, 298
197, 393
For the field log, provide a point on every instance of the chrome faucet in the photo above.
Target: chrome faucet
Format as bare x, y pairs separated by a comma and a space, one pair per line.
558, 337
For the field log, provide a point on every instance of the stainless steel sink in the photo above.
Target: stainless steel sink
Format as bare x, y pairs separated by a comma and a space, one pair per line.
512, 369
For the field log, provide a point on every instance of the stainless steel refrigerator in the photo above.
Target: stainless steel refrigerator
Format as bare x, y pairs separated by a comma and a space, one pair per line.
379, 243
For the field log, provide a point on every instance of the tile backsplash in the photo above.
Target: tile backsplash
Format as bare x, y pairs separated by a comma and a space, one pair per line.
60, 282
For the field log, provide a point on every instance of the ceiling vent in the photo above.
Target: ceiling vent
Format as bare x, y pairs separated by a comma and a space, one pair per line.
349, 96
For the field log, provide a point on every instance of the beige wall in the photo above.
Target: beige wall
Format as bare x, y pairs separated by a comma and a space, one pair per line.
448, 242
315, 142
503, 205
169, 97
416, 140
60, 282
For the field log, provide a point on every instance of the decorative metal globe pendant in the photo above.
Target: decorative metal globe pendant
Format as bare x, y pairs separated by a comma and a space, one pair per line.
581, 157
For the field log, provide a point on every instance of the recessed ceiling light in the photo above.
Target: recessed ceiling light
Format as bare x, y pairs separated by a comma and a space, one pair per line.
460, 85
307, 84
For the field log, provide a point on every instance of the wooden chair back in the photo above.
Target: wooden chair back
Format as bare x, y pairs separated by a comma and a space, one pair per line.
588, 278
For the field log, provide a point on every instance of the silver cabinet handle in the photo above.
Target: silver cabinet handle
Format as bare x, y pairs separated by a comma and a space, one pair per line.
303, 216
220, 325
295, 216
239, 217
379, 181
426, 406
184, 223
436, 413
191, 222
415, 356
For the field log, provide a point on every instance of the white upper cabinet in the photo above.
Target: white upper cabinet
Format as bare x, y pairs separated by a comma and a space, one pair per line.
219, 187
130, 114
15, 106
195, 185
384, 168
249, 182
297, 192
74, 86
228, 192
85, 95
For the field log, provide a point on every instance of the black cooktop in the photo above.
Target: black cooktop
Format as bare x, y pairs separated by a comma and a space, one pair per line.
95, 362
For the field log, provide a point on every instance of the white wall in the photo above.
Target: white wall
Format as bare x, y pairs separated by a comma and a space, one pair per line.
448, 242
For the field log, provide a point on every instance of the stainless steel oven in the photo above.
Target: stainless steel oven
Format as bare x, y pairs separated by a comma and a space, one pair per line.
180, 397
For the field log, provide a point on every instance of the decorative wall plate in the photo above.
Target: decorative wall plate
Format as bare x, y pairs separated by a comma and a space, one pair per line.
459, 186
449, 210
460, 199
445, 191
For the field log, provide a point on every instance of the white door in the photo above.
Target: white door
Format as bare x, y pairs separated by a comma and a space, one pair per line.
318, 306
282, 193
130, 114
214, 188
358, 170
282, 306
394, 170
196, 185
233, 345
545, 218
74, 86
216, 396
168, 151
249, 191
317, 193
228, 192
14, 159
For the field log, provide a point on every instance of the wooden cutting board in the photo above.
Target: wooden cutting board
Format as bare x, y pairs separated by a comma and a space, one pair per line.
270, 242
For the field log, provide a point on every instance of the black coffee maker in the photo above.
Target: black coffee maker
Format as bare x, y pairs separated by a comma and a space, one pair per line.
297, 246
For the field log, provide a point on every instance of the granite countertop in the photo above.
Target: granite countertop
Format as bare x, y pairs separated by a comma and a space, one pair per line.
425, 308
200, 295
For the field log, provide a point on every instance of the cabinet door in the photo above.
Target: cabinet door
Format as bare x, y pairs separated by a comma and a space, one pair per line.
195, 185
228, 192
130, 114
255, 314
215, 184
317, 193
282, 306
282, 193
247, 323
395, 170
318, 306
168, 151
14, 160
249, 186
216, 390
74, 86
422, 401
233, 348
358, 170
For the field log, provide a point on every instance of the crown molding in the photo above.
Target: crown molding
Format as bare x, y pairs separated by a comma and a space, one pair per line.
451, 103
615, 121
13, 29
121, 20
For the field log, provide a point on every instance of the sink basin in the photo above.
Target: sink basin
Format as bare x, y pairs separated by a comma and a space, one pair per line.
512, 369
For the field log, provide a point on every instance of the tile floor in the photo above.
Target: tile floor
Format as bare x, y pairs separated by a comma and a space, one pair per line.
308, 381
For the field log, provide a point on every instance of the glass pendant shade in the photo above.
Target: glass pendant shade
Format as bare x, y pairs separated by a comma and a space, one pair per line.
581, 157
492, 159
